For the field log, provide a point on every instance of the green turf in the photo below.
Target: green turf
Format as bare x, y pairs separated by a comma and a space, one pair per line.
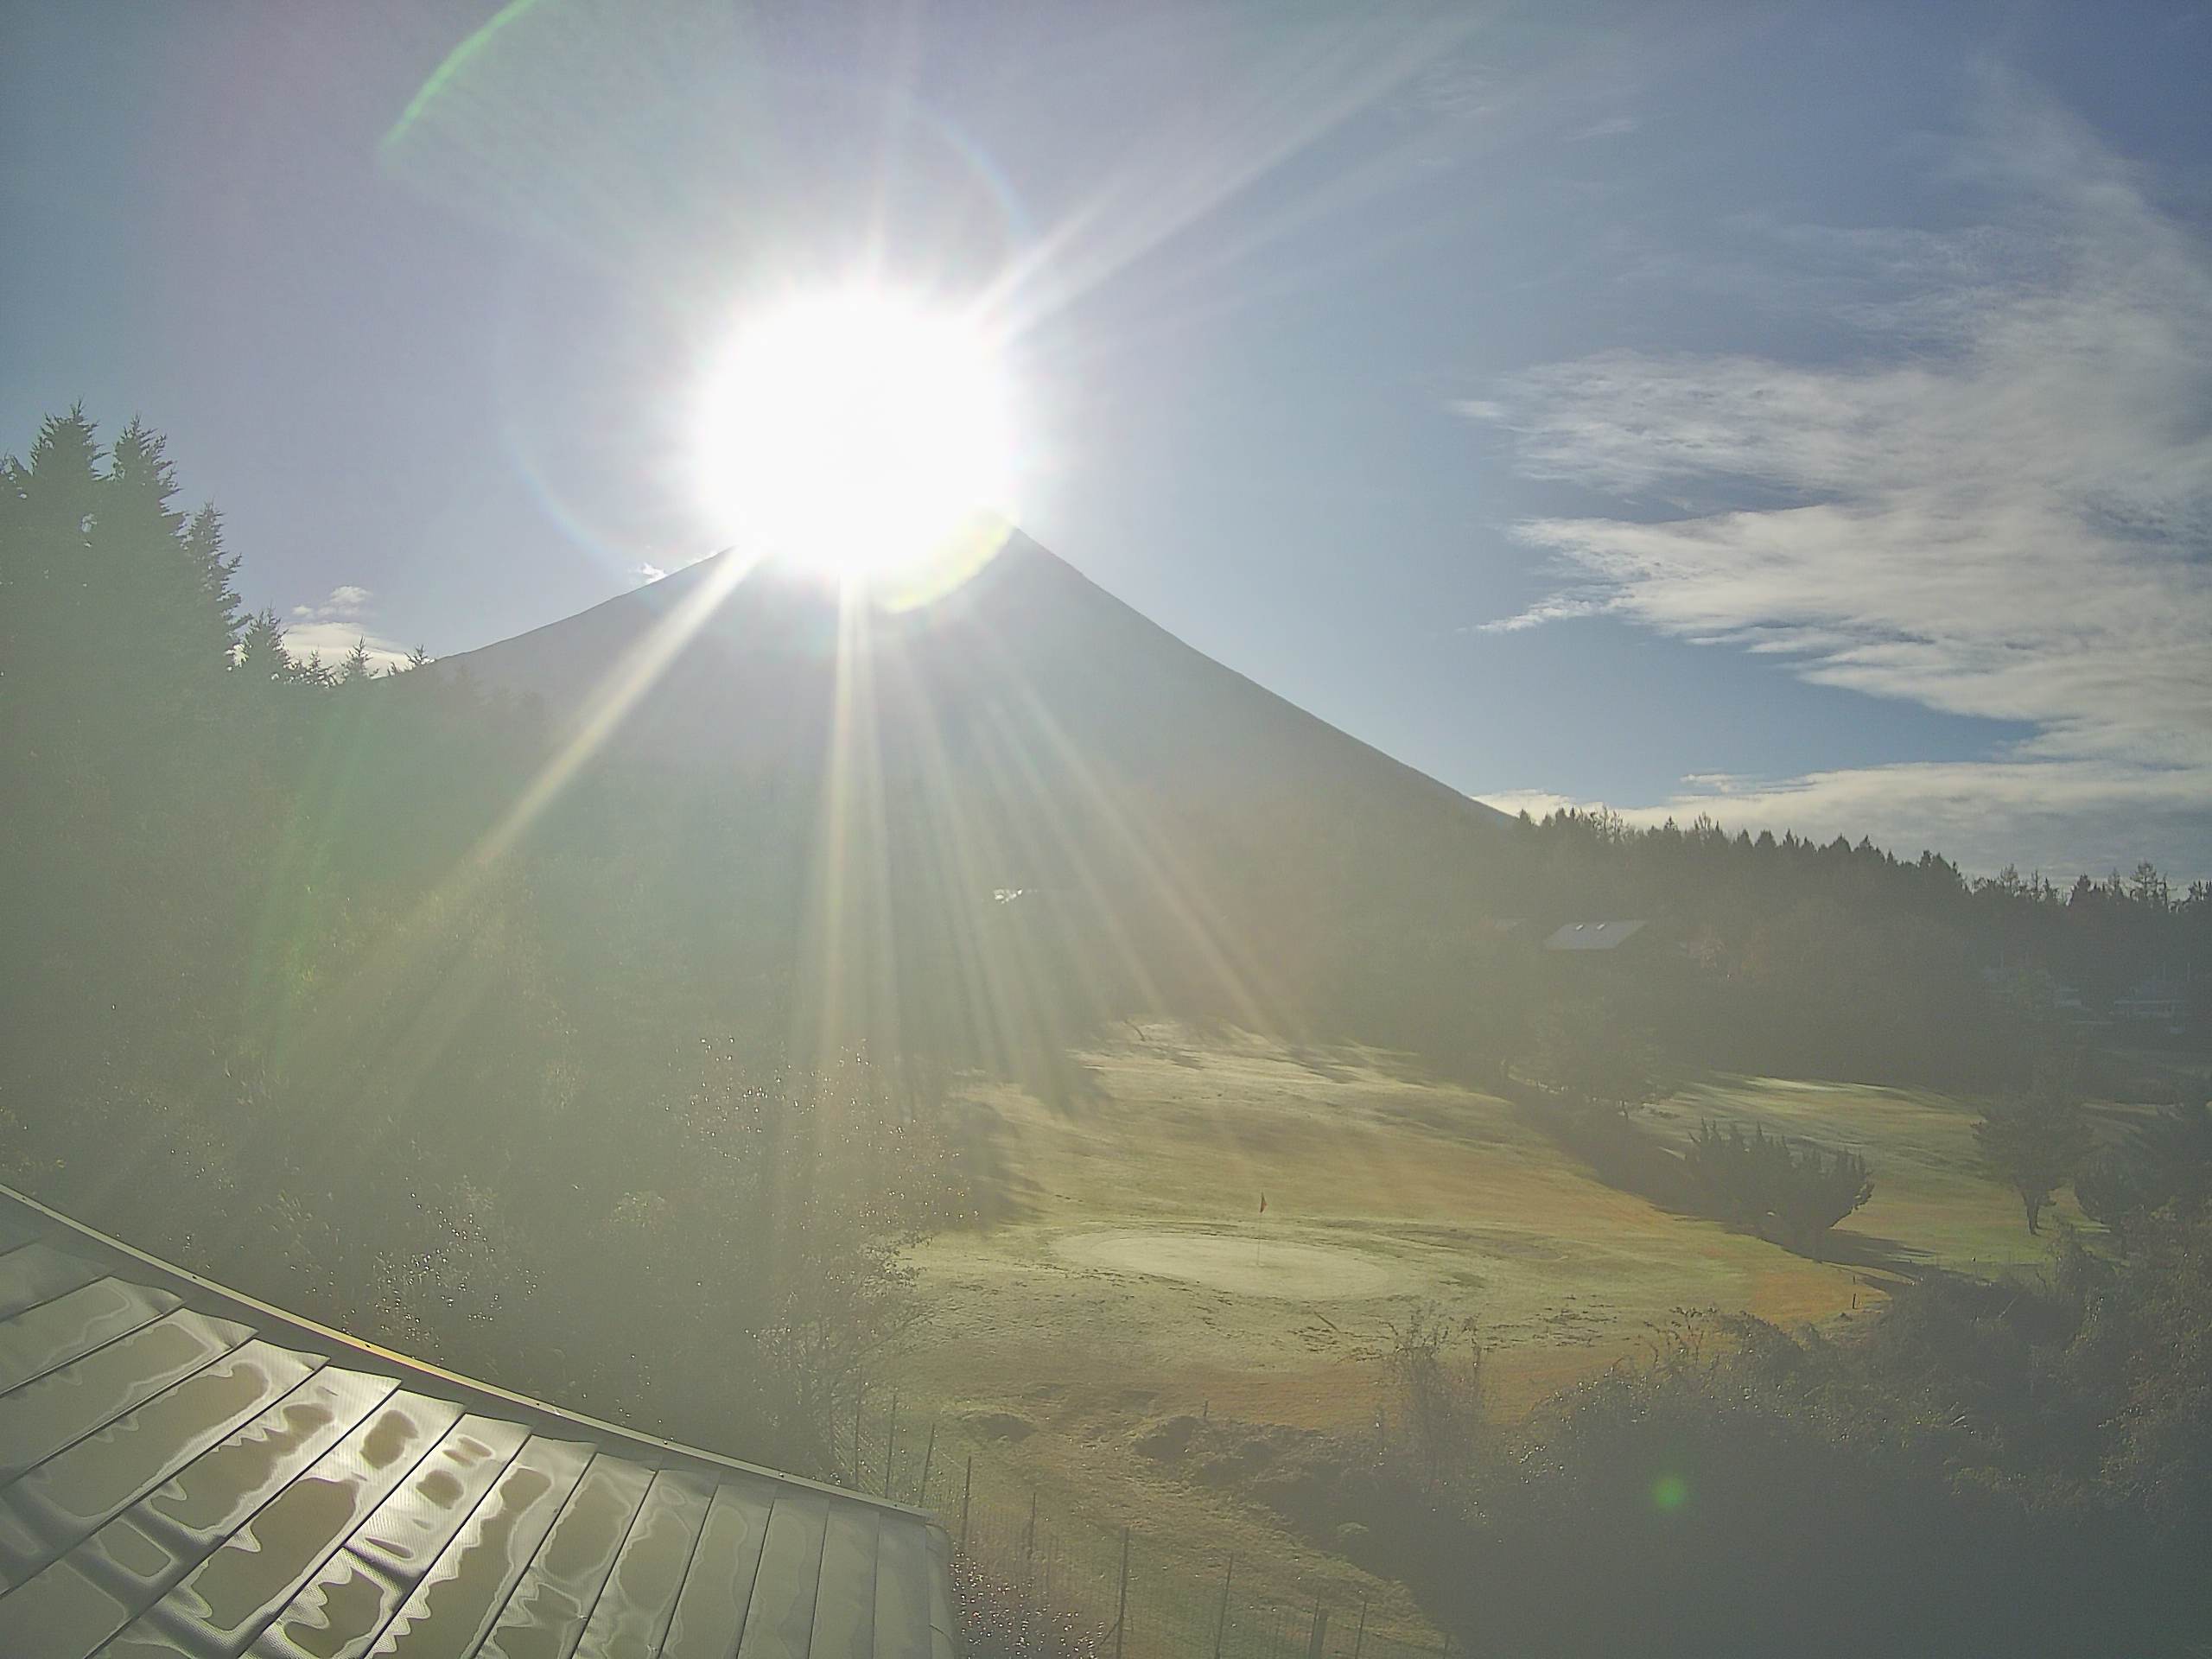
1932, 1197
1138, 1278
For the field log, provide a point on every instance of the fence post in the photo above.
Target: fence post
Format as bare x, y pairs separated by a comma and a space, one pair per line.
1319, 1631
1029, 1544
922, 1497
860, 1391
1122, 1601
890, 1440
1360, 1636
1221, 1623
967, 1485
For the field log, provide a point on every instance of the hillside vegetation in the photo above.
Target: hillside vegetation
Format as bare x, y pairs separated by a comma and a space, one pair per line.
680, 1093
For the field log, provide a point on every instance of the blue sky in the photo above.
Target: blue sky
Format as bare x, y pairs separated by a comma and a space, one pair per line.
1803, 413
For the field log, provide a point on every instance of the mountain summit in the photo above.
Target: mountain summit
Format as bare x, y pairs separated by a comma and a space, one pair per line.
1025, 756
1029, 647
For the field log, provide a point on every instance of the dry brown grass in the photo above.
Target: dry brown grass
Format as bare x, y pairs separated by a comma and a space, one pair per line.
1434, 1192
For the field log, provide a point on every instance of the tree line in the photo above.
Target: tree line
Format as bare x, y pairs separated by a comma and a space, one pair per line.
267, 1006
1786, 955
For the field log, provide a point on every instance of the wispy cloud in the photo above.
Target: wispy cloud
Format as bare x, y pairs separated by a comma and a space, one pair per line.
330, 628
346, 600
2002, 509
1613, 126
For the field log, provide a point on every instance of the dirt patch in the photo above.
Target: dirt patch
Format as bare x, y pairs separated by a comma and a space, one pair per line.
999, 1425
1245, 1267
1167, 1439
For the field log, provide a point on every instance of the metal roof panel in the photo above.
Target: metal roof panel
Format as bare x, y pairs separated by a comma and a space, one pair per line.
172, 1481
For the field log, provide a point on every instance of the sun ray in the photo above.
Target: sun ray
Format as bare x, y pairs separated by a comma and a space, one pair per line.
1179, 898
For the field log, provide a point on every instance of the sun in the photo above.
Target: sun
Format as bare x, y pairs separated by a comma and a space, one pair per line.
859, 432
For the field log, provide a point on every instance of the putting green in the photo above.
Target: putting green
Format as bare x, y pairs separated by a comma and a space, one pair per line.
1245, 1266
1130, 1279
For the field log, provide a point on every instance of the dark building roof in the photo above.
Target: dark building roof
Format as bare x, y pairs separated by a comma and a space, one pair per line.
185, 1471
1593, 936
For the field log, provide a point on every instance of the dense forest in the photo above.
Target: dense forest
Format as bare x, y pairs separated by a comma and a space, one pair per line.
1795, 958
317, 983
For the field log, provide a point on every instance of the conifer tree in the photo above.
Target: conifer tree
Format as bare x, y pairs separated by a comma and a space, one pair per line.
216, 569
261, 657
150, 582
44, 510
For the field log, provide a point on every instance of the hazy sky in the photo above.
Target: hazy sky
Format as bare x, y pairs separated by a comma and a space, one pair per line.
1799, 412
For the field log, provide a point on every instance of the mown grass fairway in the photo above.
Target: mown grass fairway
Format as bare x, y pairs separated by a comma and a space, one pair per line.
1138, 1277
1932, 1201
1139, 1259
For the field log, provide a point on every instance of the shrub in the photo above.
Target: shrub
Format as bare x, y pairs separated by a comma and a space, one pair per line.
1759, 1181
1435, 1368
1981, 1469
2166, 1162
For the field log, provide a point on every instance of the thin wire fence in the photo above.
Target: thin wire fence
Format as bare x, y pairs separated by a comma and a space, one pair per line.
1040, 1583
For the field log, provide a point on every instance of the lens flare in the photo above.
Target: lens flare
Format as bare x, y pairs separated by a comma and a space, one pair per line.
860, 433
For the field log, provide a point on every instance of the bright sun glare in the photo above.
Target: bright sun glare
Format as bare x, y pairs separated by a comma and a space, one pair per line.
859, 432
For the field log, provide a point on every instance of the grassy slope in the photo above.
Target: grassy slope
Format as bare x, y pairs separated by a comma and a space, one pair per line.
1421, 1192
1447, 1191
1931, 1200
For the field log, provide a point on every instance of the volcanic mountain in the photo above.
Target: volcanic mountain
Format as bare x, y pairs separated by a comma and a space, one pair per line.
1026, 757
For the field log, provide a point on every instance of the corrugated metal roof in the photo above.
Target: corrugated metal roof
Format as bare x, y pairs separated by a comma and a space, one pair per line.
183, 1469
1593, 936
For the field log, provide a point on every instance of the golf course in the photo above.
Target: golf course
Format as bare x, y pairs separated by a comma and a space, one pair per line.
1134, 1276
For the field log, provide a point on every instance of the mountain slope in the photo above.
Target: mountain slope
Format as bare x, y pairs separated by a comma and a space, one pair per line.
755, 683
1177, 834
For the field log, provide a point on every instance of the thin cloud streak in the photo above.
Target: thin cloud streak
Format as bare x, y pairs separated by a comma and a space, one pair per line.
2005, 516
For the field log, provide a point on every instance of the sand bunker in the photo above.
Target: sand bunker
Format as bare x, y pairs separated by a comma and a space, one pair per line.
1249, 1267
